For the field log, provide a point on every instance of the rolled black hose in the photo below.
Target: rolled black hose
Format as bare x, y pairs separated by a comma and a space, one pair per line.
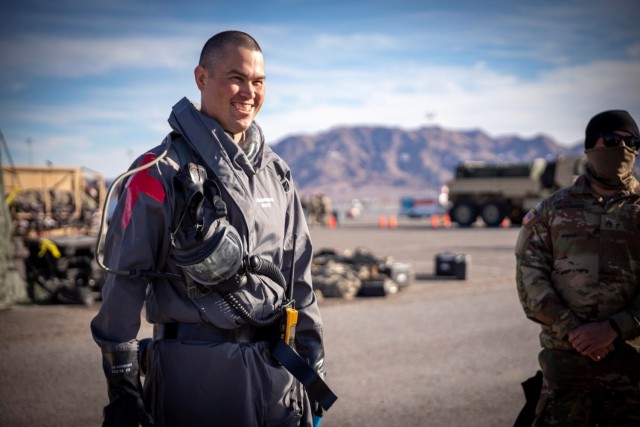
266, 268
258, 323
255, 265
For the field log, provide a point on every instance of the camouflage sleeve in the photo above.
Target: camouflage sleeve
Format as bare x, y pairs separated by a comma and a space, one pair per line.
534, 262
628, 321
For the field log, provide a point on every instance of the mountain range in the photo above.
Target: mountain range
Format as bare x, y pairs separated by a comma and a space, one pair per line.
388, 163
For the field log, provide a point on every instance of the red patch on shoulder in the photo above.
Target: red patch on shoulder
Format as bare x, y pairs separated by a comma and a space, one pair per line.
141, 182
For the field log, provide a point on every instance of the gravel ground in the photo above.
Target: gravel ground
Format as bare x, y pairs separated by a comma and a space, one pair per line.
438, 353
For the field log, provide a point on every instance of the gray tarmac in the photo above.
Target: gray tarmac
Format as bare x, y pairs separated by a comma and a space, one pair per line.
441, 352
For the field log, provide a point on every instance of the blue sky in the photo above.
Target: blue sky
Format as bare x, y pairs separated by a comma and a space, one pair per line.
92, 82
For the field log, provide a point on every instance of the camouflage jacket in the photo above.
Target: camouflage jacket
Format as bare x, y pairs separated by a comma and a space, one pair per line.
578, 261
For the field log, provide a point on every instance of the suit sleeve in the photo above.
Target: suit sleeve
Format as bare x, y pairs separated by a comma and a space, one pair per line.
136, 240
309, 338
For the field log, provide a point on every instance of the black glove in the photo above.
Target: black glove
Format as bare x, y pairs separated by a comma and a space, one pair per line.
125, 408
309, 346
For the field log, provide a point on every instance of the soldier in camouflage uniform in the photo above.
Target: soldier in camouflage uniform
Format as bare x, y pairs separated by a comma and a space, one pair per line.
578, 275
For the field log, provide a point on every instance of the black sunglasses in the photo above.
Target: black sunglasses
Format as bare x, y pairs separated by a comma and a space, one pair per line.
613, 140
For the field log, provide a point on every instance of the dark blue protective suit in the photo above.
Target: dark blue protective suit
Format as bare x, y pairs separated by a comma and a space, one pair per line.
190, 380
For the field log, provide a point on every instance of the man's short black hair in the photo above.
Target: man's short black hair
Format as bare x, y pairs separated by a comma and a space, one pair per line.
215, 44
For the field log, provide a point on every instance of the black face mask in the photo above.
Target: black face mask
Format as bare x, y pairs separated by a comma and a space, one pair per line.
610, 167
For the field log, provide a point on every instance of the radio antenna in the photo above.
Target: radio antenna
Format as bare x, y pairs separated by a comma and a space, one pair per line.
293, 262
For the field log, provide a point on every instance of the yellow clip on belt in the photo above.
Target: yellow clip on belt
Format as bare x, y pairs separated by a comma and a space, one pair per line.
289, 332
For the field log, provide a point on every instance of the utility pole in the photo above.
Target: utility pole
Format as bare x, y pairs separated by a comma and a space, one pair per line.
30, 148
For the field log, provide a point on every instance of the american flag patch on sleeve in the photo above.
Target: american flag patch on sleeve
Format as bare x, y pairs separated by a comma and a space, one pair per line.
529, 216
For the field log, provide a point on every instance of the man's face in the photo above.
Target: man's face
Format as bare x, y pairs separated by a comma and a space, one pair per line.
232, 91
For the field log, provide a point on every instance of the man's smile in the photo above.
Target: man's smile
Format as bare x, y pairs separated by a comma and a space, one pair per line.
242, 107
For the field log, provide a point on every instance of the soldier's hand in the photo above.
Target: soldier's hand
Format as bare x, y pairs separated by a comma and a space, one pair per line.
592, 337
599, 354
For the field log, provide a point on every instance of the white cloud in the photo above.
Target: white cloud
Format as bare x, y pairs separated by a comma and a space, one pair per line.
558, 104
72, 57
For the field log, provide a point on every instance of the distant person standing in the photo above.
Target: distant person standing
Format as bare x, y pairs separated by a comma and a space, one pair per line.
578, 275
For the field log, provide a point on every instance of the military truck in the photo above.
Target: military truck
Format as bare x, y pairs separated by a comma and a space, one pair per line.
55, 214
497, 191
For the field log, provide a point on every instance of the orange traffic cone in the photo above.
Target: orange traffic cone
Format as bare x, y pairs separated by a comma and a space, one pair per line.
506, 223
435, 221
333, 222
446, 221
393, 222
382, 221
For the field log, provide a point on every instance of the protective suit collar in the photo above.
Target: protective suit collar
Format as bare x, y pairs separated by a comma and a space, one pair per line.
203, 133
217, 152
198, 129
222, 157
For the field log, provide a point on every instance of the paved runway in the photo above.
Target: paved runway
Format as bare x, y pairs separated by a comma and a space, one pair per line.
439, 353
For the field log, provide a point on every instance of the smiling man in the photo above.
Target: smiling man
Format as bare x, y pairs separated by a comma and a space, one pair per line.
231, 80
193, 238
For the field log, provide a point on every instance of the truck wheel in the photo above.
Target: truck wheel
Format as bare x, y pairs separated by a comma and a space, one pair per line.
464, 213
493, 213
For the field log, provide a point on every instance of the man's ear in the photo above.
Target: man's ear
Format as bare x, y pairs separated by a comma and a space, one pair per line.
200, 75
